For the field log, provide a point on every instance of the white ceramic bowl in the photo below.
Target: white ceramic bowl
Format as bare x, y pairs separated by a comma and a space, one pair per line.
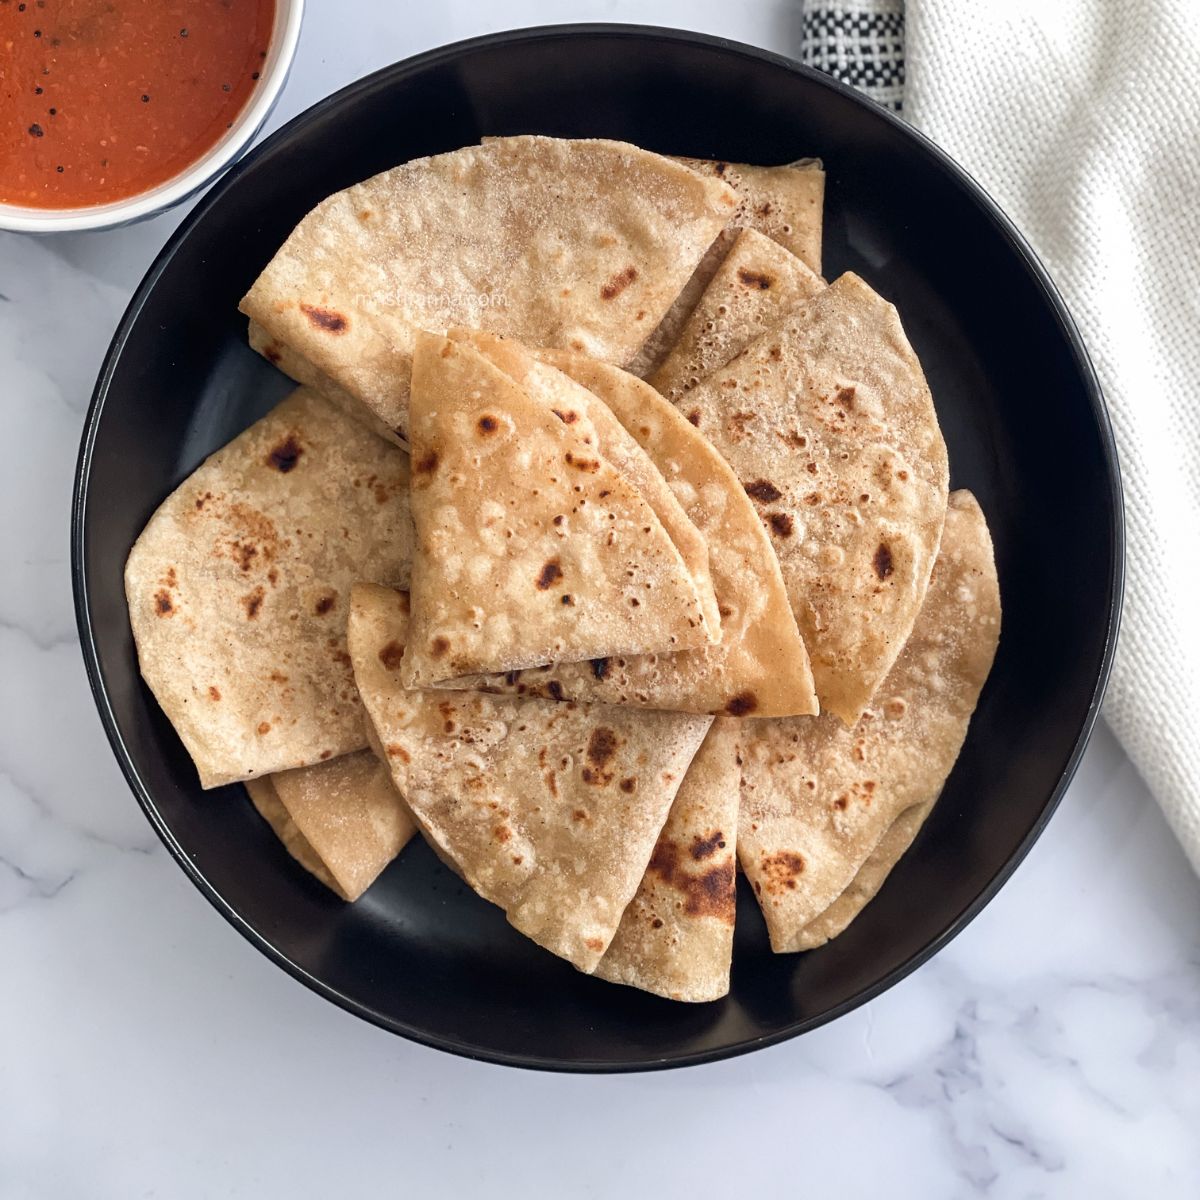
281, 49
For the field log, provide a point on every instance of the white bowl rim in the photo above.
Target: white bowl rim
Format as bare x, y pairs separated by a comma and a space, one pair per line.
285, 36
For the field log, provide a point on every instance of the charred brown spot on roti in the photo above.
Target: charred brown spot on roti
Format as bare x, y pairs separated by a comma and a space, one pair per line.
253, 602
243, 553
755, 279
272, 353
488, 425
555, 689
285, 454
599, 667
709, 894
882, 562
325, 754
694, 417
845, 397
629, 784
590, 465
742, 704
842, 802
738, 423
781, 524
201, 501
595, 944
326, 319
162, 603
568, 417
656, 923
502, 833
214, 693
707, 846
391, 655
397, 751
264, 727
618, 283
551, 571
580, 814
427, 463
567, 598
764, 491
780, 870
439, 646
325, 604
602, 745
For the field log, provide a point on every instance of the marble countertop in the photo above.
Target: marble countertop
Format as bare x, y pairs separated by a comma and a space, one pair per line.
148, 1050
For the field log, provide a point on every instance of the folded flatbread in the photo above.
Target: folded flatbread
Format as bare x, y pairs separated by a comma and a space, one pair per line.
238, 588
550, 811
760, 666
582, 244
756, 286
343, 819
303, 372
676, 937
817, 797
784, 204
830, 426
569, 402
870, 878
531, 547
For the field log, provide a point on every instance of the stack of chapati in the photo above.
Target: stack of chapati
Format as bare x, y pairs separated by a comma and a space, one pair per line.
605, 544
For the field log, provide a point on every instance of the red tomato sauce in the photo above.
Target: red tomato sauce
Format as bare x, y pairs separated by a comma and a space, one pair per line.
103, 99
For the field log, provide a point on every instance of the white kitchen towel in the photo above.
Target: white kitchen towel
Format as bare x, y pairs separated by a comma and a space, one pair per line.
1082, 119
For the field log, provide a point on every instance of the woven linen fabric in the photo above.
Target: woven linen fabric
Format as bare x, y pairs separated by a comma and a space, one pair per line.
860, 42
1082, 119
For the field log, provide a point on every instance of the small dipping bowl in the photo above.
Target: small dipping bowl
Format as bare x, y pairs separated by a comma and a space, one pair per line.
281, 50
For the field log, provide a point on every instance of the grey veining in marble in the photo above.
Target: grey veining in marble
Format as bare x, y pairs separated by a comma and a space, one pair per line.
146, 1050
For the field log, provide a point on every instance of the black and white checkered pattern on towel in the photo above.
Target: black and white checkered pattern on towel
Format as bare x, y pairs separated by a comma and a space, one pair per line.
860, 42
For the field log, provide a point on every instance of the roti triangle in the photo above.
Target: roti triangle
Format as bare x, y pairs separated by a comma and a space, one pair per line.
760, 667
676, 937
571, 242
343, 819
530, 546
829, 423
784, 204
759, 283
572, 402
818, 797
870, 877
238, 588
550, 811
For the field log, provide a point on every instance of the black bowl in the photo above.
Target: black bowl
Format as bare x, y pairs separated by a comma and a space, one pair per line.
1022, 415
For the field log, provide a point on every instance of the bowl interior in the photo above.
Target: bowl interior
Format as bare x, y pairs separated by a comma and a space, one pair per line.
1020, 412
281, 49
